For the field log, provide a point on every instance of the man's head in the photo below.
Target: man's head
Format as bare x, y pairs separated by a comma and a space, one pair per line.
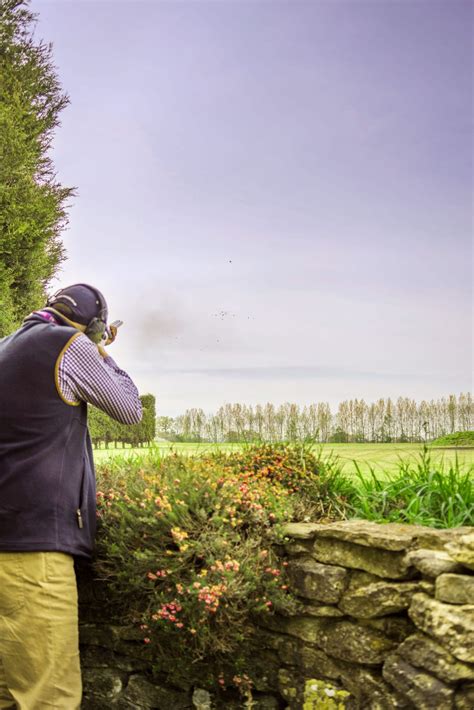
83, 307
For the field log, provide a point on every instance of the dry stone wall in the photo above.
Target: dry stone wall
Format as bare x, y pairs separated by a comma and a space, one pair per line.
384, 619
386, 613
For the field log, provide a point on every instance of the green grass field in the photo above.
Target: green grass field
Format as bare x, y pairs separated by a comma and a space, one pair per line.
383, 458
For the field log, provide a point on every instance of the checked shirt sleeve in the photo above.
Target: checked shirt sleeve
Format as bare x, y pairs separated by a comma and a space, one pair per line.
84, 375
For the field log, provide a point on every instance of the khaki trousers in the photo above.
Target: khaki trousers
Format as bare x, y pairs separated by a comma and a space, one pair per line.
39, 644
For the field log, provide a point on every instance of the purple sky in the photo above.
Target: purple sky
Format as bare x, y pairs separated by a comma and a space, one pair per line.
276, 197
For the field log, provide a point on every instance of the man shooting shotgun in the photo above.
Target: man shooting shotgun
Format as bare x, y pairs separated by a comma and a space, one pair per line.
50, 368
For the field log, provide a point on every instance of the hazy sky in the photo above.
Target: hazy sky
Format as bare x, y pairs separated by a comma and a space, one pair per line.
276, 197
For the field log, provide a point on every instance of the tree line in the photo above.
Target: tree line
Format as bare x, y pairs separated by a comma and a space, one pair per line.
104, 430
386, 420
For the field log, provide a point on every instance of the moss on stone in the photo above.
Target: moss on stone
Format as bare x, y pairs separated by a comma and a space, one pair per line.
320, 695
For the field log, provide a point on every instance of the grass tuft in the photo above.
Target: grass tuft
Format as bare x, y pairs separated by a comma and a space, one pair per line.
437, 495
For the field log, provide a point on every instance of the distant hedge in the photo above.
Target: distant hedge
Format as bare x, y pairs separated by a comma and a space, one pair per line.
105, 430
459, 438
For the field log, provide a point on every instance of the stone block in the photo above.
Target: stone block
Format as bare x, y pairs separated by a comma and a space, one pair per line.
425, 691
96, 657
265, 667
103, 635
287, 650
300, 531
464, 698
148, 695
104, 684
345, 640
319, 610
389, 536
371, 690
275, 623
268, 639
129, 633
368, 596
298, 547
109, 635
396, 628
316, 664
462, 549
433, 539
201, 699
284, 646
452, 626
455, 588
380, 562
313, 580
431, 563
423, 652
354, 643
305, 628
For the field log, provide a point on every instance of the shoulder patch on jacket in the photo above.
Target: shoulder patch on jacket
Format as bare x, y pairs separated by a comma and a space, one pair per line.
56, 370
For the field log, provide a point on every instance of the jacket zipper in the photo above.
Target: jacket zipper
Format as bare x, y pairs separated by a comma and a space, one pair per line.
80, 521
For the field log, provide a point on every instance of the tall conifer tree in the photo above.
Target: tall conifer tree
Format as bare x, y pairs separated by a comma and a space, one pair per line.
32, 202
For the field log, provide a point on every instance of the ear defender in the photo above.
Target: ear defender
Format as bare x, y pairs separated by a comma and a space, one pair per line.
96, 330
97, 327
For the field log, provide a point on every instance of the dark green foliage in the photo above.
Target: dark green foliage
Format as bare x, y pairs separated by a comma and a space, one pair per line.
459, 438
339, 437
32, 202
148, 423
247, 436
104, 429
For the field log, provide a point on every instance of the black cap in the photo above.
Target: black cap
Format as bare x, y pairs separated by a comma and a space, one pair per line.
80, 303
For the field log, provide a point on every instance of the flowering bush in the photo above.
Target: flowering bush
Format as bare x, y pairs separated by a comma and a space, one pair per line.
186, 546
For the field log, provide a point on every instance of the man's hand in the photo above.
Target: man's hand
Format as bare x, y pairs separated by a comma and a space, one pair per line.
112, 334
109, 336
